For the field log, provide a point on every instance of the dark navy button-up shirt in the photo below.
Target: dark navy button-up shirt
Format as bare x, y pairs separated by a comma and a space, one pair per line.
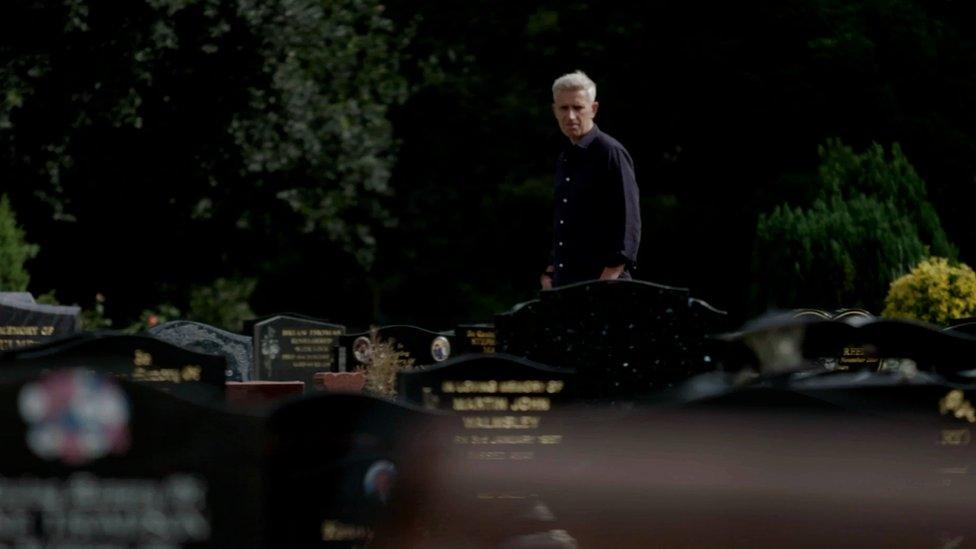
597, 215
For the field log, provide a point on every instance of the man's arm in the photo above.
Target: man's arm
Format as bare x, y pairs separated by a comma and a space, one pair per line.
623, 215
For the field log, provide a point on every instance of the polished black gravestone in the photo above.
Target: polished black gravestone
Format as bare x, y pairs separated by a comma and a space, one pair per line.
94, 461
24, 323
204, 338
506, 421
337, 461
475, 339
142, 359
502, 402
624, 338
412, 346
782, 343
290, 348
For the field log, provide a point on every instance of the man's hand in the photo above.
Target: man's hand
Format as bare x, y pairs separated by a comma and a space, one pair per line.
545, 279
612, 273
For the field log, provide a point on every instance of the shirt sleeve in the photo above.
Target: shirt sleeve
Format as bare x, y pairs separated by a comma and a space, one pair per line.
624, 211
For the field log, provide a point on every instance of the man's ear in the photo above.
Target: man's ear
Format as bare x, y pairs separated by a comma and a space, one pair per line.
596, 106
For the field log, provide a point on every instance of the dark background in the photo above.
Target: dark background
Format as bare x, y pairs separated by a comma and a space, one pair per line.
123, 153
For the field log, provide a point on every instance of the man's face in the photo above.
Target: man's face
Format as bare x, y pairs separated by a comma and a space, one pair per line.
575, 112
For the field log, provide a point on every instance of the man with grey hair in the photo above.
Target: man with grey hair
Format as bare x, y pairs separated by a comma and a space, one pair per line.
597, 214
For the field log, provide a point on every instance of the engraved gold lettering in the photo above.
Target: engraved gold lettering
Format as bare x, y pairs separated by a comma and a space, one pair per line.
501, 422
554, 387
955, 437
20, 330
47, 330
488, 456
531, 404
191, 373
523, 387
482, 403
470, 386
333, 530
142, 358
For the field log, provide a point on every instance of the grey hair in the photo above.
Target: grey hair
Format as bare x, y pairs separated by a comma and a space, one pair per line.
575, 81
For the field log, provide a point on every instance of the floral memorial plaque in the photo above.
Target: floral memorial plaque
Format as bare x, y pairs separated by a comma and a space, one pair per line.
91, 460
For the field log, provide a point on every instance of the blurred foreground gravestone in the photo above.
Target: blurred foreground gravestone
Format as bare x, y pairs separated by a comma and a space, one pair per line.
623, 338
412, 346
142, 359
290, 348
336, 463
94, 461
203, 338
783, 343
24, 323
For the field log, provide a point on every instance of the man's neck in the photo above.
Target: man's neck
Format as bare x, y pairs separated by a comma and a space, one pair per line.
583, 136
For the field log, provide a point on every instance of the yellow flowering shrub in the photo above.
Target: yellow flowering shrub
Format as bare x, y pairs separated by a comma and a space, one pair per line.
934, 291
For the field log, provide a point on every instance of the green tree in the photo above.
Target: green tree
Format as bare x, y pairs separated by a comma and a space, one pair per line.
14, 250
870, 223
259, 127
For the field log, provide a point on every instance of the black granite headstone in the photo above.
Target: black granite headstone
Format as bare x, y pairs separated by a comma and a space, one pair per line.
782, 343
475, 339
295, 349
204, 338
414, 346
24, 323
142, 359
336, 463
502, 402
93, 461
623, 338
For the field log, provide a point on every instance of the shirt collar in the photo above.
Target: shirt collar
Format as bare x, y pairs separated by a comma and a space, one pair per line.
588, 138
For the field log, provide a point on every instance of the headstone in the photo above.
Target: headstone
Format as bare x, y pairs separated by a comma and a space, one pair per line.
624, 338
851, 357
94, 461
507, 423
502, 402
782, 343
142, 359
203, 338
336, 464
24, 323
294, 349
413, 346
475, 339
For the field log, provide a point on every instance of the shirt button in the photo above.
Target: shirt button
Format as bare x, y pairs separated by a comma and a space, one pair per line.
560, 243
560, 221
567, 179
560, 265
565, 200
